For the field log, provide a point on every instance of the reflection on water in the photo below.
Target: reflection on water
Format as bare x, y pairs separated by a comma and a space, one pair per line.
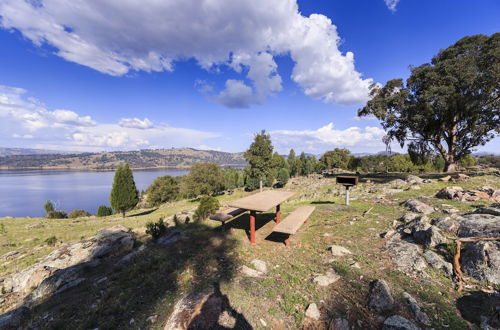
23, 192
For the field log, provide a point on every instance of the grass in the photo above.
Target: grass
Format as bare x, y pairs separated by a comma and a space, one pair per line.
152, 283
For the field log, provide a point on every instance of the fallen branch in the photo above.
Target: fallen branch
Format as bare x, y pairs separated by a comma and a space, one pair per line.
456, 258
366, 212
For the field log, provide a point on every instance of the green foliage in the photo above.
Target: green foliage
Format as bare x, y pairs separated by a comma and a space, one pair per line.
104, 211
310, 165
163, 189
292, 163
489, 161
124, 195
208, 206
401, 163
337, 158
259, 156
283, 177
233, 178
467, 161
252, 180
203, 179
49, 207
51, 241
156, 229
79, 214
56, 214
438, 163
448, 106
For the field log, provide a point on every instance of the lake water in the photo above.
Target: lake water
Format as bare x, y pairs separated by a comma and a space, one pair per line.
23, 192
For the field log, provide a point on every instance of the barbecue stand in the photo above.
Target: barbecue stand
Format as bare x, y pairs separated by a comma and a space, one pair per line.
347, 182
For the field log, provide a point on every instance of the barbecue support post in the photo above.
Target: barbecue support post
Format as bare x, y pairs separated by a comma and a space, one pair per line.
346, 195
252, 226
278, 213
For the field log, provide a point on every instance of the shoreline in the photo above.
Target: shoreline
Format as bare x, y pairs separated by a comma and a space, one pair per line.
93, 169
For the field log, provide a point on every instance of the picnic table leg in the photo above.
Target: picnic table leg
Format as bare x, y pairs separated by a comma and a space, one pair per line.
278, 213
252, 226
288, 241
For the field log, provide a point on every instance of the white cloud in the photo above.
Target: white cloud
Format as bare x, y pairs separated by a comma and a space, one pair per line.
391, 4
135, 123
114, 37
326, 137
22, 117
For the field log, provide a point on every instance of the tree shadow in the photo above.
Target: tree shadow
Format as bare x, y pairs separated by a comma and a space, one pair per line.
142, 213
114, 294
322, 202
480, 305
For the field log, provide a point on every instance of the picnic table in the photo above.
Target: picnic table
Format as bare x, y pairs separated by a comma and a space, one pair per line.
261, 202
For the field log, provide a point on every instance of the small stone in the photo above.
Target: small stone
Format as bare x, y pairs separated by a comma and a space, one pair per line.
152, 318
339, 324
312, 312
326, 280
249, 272
445, 178
132, 321
418, 206
437, 262
397, 322
264, 324
339, 251
380, 297
415, 308
259, 265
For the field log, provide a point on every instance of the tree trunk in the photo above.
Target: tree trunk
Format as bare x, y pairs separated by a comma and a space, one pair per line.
123, 213
450, 163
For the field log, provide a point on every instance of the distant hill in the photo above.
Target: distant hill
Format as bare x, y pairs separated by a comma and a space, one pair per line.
28, 151
182, 157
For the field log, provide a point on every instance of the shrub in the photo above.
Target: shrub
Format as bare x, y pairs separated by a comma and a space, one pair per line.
57, 214
162, 190
104, 211
79, 214
208, 205
156, 229
283, 177
467, 161
52, 240
203, 179
124, 195
49, 207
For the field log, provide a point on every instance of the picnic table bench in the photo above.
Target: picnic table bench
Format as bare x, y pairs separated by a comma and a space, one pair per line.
227, 214
294, 221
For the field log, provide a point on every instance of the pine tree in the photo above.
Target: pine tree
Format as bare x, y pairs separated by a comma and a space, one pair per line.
292, 163
124, 195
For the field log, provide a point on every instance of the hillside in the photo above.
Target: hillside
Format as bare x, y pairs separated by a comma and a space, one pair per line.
142, 283
183, 157
28, 151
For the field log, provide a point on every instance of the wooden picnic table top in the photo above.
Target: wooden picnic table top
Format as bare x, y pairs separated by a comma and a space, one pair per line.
262, 201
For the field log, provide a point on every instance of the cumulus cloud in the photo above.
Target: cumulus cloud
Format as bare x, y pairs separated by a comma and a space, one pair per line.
328, 137
391, 4
136, 123
114, 37
23, 117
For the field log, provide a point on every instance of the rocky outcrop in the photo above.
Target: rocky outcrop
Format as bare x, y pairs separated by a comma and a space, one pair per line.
419, 207
380, 298
479, 225
459, 194
397, 322
406, 255
419, 315
429, 237
438, 262
109, 242
481, 260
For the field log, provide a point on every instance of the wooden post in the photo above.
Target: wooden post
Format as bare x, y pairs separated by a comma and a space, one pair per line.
252, 226
278, 213
305, 221
260, 186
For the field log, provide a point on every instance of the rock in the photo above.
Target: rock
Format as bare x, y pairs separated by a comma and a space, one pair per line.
152, 318
227, 320
109, 242
171, 237
481, 260
249, 272
438, 262
417, 312
451, 211
414, 187
417, 224
387, 234
450, 193
339, 324
14, 318
407, 256
339, 251
326, 280
461, 178
380, 297
479, 225
445, 178
407, 217
418, 206
259, 265
397, 322
488, 210
312, 312
413, 179
35, 226
397, 183
11, 255
431, 236
447, 223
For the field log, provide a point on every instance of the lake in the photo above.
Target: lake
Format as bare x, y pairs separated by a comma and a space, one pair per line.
23, 192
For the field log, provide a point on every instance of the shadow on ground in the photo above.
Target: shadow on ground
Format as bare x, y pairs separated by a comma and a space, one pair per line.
124, 295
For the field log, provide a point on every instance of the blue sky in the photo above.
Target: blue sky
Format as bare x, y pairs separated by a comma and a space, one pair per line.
108, 75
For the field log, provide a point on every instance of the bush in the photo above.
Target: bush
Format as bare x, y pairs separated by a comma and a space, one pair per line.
162, 190
57, 214
49, 207
283, 177
52, 240
208, 205
203, 179
467, 161
156, 229
79, 214
104, 211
